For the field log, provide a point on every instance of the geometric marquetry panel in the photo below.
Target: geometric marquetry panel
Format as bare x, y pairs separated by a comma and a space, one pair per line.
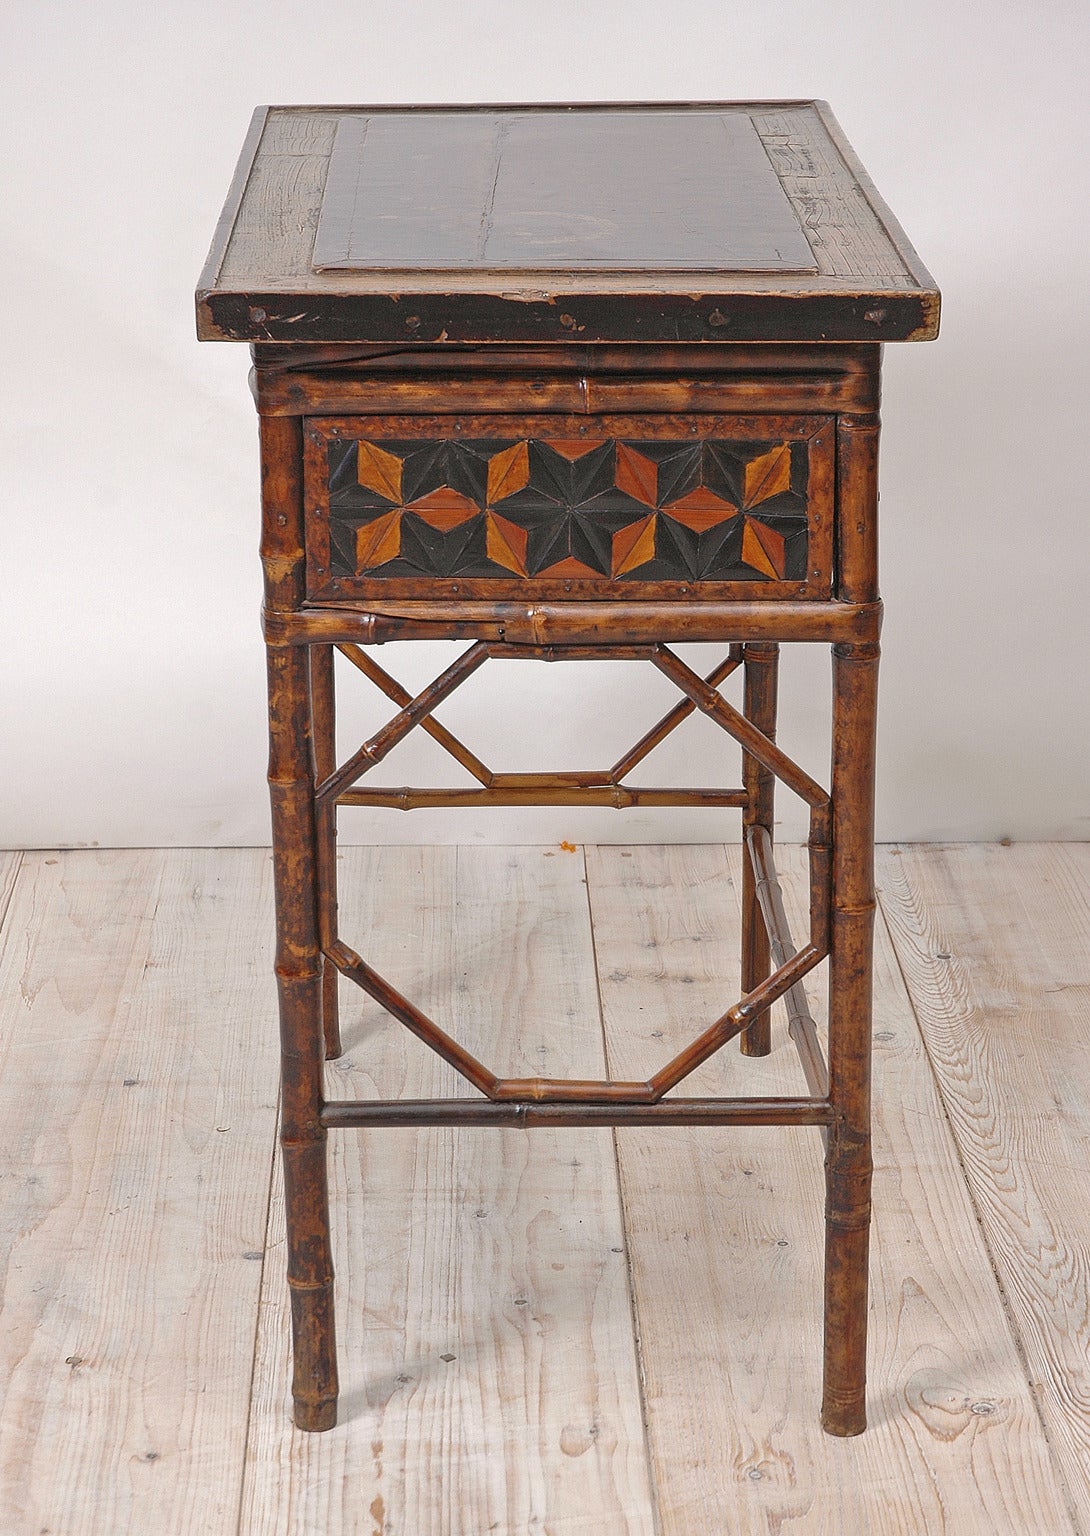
569, 507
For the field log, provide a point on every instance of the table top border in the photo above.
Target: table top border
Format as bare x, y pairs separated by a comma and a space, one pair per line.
525, 306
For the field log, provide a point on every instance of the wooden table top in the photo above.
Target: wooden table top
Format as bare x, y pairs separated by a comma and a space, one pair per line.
732, 221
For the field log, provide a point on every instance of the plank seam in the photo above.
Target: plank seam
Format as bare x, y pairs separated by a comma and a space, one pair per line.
633, 1312
8, 896
1004, 1300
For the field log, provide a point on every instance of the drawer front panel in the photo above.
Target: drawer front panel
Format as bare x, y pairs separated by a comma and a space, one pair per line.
554, 507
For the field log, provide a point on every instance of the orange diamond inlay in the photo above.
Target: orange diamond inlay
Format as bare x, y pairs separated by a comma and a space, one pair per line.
636, 475
379, 541
506, 542
444, 509
634, 546
508, 471
763, 548
569, 567
768, 475
701, 509
379, 471
572, 448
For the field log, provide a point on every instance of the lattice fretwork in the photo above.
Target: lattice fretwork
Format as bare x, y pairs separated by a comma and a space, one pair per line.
600, 787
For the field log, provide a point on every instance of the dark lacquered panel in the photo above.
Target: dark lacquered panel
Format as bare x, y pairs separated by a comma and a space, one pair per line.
736, 504
637, 190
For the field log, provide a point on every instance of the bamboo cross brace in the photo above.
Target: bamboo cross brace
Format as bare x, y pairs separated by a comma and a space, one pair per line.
570, 1091
351, 965
735, 1020
401, 696
596, 787
755, 742
669, 722
374, 750
800, 1021
770, 756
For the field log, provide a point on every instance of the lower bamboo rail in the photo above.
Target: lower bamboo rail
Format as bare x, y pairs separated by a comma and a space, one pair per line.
544, 789
452, 1112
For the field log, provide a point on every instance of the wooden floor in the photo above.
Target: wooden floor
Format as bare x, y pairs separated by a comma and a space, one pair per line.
542, 1332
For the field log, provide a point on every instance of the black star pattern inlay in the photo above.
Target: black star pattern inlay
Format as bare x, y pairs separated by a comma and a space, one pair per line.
629, 510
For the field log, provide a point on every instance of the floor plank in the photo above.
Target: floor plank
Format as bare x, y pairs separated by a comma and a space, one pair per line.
138, 1129
137, 1079
489, 1379
994, 946
724, 1231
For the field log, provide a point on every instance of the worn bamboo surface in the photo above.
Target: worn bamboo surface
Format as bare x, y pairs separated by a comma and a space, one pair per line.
133, 1212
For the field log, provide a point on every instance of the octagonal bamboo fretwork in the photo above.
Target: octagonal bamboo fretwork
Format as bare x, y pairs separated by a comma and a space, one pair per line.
339, 785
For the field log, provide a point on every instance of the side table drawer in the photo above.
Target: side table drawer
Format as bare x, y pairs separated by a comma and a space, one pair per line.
569, 506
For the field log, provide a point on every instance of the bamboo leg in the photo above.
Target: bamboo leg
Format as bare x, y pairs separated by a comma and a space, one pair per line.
848, 1155
299, 979
298, 958
323, 709
761, 662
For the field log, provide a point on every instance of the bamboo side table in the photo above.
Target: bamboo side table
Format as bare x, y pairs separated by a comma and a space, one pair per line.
570, 382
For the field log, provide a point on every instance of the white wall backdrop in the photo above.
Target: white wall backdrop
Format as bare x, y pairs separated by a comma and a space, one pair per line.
133, 672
